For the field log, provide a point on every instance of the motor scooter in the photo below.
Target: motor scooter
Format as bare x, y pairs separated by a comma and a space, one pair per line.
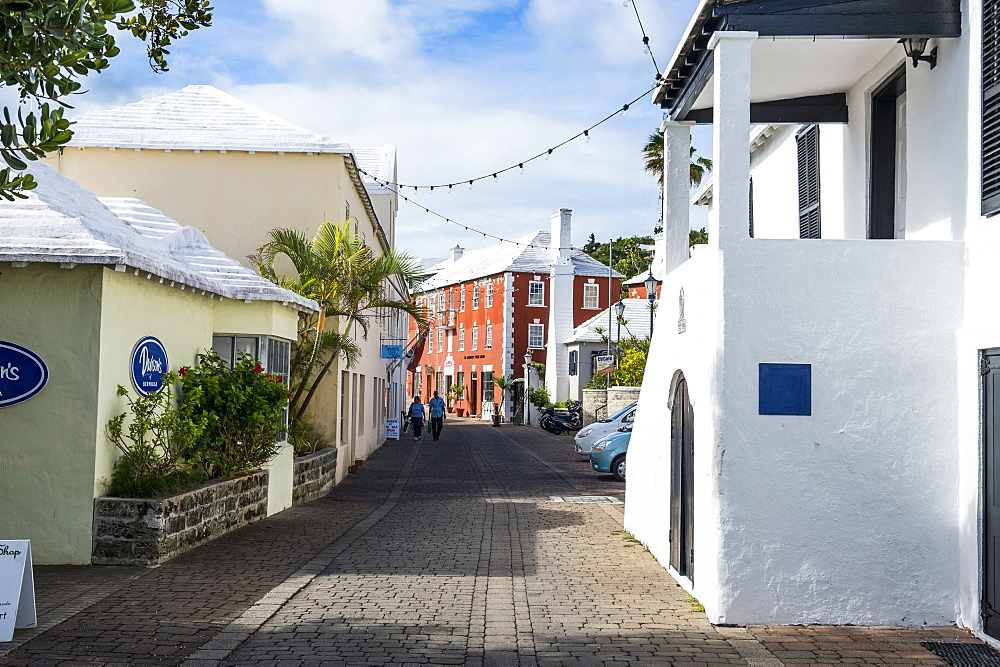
558, 421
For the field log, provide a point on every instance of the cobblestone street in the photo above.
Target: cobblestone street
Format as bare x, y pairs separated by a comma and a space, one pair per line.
448, 552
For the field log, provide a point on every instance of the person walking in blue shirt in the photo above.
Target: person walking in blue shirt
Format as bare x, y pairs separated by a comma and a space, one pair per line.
436, 406
416, 415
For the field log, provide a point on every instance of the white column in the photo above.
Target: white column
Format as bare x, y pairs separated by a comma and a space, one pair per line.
676, 193
730, 220
560, 325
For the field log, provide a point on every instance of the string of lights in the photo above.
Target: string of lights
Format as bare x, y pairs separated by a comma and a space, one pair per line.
645, 39
519, 165
464, 226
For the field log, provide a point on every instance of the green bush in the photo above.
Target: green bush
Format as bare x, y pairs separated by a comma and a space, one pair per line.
243, 408
154, 445
227, 423
539, 397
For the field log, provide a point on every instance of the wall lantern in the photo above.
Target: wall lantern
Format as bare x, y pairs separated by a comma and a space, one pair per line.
915, 47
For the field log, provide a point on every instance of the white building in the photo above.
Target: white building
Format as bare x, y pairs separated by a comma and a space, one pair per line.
592, 338
829, 360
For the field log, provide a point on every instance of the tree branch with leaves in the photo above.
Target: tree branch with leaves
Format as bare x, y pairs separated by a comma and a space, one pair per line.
46, 46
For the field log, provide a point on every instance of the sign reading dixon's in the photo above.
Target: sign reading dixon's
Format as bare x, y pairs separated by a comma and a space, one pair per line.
149, 363
22, 374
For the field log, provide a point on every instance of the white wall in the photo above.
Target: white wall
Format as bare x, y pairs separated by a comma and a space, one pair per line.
846, 516
694, 353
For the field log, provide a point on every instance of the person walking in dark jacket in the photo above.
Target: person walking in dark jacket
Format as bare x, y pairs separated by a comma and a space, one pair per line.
436, 406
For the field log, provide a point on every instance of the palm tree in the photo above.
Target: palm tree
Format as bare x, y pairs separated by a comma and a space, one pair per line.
350, 282
652, 153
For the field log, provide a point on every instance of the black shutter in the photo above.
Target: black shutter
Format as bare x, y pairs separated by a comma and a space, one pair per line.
991, 107
573, 355
751, 208
808, 146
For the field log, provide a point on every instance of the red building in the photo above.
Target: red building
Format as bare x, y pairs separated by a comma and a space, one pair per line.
489, 307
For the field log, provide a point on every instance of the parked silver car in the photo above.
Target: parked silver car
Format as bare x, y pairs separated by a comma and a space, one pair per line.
586, 437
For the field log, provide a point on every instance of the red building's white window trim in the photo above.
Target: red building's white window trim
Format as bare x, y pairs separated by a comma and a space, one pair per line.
536, 336
536, 293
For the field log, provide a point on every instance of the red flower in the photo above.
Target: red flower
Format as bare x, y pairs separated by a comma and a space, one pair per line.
183, 370
288, 395
258, 369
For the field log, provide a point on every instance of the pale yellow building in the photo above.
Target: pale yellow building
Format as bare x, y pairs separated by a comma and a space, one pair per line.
211, 161
83, 282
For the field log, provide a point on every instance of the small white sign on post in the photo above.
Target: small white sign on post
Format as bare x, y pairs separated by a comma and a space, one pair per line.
17, 588
392, 429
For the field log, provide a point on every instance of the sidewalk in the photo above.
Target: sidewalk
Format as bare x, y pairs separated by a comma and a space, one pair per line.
447, 552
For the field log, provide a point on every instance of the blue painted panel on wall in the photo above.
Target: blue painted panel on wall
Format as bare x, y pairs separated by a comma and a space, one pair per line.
785, 389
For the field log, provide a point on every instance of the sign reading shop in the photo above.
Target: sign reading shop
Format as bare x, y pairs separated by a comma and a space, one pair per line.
22, 374
149, 363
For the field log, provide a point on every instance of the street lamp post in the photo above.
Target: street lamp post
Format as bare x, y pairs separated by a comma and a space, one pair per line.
527, 379
620, 310
650, 283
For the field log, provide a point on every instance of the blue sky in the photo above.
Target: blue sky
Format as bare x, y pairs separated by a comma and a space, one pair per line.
461, 87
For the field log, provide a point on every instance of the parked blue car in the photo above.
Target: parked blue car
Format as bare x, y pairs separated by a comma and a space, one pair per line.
608, 453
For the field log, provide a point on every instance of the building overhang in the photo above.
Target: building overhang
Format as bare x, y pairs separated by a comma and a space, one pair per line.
812, 52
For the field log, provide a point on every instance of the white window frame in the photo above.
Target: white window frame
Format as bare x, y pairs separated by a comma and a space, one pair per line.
592, 296
461, 300
489, 337
440, 340
475, 338
461, 339
536, 332
475, 297
536, 296
489, 295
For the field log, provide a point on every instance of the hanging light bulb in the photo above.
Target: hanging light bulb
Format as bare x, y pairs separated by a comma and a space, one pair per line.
449, 189
470, 185
624, 109
586, 134
521, 167
548, 154
494, 178
645, 44
432, 188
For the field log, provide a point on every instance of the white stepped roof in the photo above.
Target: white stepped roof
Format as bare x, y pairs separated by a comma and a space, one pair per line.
532, 256
379, 162
61, 222
197, 118
636, 314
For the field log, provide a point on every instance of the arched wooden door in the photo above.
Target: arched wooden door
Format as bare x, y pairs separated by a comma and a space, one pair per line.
682, 482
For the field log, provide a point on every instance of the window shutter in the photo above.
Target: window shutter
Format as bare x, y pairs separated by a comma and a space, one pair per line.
808, 148
991, 107
751, 208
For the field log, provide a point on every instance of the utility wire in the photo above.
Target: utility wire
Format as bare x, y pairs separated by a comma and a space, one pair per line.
519, 165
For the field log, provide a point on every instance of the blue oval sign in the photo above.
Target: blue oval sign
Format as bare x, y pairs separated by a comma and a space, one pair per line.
22, 374
149, 363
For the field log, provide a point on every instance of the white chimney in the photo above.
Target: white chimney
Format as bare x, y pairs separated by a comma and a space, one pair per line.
560, 231
456, 253
560, 306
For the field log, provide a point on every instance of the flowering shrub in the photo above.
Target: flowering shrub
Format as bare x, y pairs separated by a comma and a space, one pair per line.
242, 407
226, 424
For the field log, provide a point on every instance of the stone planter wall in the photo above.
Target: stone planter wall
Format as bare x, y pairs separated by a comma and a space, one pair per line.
314, 475
129, 531
601, 403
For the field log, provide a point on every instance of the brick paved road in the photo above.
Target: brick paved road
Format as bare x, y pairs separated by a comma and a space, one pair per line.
444, 552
